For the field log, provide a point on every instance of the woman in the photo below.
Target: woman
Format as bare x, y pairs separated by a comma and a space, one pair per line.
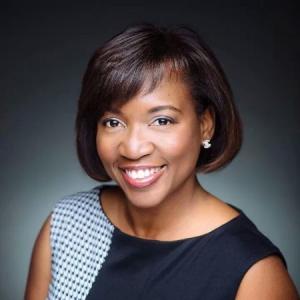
155, 109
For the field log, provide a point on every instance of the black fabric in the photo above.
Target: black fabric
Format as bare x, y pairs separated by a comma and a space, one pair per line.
210, 266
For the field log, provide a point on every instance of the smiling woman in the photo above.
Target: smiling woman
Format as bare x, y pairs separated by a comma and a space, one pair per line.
155, 108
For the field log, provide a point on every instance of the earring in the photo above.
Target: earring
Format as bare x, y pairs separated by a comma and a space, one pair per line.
206, 144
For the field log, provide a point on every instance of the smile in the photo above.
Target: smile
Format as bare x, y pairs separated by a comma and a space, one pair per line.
142, 177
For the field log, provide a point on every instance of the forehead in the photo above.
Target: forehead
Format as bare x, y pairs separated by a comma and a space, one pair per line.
170, 92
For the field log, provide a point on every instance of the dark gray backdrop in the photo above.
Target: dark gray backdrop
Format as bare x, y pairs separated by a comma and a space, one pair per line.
44, 51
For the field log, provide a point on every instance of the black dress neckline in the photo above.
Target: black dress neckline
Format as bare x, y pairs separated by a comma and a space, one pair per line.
127, 236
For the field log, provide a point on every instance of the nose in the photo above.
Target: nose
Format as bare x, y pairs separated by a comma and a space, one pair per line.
135, 144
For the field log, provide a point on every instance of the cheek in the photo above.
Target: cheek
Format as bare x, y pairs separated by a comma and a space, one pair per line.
104, 150
183, 146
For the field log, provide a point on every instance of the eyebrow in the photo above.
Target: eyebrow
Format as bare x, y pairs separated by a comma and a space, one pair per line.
153, 109
163, 107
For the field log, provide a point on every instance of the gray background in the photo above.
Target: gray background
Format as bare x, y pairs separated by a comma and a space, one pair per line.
44, 51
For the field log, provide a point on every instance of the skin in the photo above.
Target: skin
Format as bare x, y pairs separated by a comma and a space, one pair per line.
176, 199
40, 266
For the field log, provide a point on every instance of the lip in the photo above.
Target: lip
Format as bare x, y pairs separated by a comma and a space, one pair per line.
139, 167
145, 182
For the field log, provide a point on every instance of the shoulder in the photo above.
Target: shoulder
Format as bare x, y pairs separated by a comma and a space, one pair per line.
78, 201
74, 219
76, 209
267, 279
80, 238
245, 243
256, 265
75, 215
263, 273
239, 245
40, 265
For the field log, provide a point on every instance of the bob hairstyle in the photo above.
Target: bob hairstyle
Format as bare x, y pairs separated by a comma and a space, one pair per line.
146, 54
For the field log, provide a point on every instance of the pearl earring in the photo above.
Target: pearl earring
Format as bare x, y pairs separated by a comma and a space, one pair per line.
206, 144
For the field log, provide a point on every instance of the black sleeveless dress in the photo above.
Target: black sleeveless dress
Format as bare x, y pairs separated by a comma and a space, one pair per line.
92, 259
210, 266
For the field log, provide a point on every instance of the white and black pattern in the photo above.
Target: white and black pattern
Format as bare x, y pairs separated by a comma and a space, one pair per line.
80, 240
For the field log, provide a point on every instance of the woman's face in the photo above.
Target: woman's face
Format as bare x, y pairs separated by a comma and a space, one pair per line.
150, 146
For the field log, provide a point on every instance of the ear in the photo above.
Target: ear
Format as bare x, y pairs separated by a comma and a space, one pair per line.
207, 123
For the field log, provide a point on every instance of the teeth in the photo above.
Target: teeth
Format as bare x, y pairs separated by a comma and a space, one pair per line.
140, 174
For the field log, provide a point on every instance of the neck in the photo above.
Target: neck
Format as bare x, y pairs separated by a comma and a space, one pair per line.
165, 219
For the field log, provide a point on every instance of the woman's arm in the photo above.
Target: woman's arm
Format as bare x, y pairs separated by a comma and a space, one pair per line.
267, 279
40, 267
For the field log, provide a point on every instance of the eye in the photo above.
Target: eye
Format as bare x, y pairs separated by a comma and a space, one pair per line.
111, 123
163, 121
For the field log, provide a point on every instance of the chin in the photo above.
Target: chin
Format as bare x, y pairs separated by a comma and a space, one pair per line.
144, 199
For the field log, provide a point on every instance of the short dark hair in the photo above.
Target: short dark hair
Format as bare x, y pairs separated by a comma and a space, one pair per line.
119, 69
